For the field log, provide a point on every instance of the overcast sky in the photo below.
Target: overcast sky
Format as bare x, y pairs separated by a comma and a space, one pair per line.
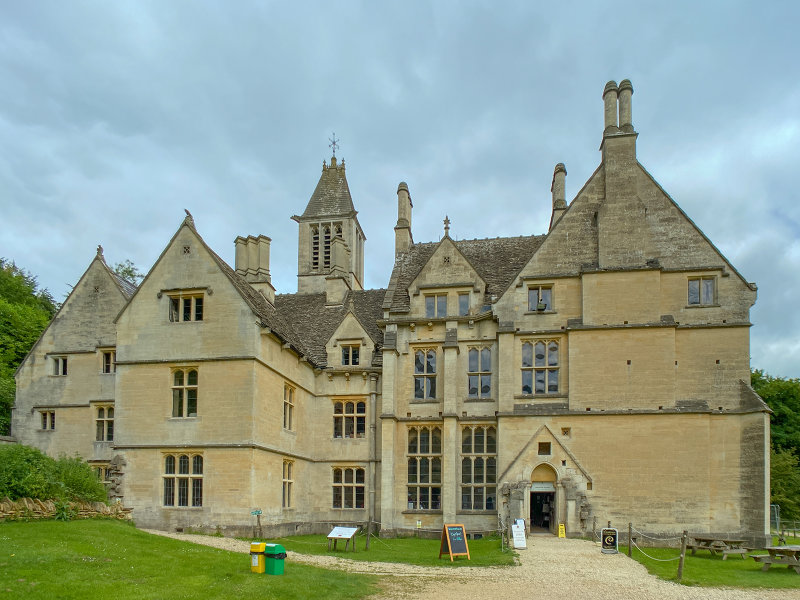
115, 116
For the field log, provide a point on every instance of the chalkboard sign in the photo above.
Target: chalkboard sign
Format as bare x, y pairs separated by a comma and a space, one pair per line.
454, 541
608, 540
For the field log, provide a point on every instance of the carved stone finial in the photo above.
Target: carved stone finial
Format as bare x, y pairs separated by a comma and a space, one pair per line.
99, 251
189, 218
446, 226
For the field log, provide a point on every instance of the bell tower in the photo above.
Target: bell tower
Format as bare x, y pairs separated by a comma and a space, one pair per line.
331, 242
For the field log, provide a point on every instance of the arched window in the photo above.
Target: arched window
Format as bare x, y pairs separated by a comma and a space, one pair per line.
478, 468
424, 468
186, 484
540, 366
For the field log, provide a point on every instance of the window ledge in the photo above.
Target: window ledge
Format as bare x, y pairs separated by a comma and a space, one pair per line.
541, 312
349, 438
426, 401
45, 430
703, 306
289, 431
489, 511
423, 511
184, 419
195, 508
539, 396
471, 399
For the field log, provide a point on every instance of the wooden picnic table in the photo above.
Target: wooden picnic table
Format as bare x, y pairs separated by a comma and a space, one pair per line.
724, 546
780, 555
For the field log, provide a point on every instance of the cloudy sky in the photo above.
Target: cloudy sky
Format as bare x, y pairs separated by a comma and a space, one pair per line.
115, 116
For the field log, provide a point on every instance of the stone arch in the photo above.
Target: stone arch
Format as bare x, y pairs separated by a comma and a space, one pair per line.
544, 472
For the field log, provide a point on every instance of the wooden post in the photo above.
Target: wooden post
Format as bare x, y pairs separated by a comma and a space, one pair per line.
369, 533
258, 522
594, 528
630, 538
683, 554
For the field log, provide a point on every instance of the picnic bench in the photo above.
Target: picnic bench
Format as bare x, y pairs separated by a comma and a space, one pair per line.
716, 544
779, 555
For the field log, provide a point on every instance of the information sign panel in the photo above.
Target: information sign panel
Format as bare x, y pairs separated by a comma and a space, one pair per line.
454, 541
562, 532
518, 535
608, 540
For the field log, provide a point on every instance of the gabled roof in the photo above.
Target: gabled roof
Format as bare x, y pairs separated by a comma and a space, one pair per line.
331, 198
314, 323
496, 260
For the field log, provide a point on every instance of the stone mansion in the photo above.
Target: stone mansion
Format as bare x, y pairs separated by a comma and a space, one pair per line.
596, 372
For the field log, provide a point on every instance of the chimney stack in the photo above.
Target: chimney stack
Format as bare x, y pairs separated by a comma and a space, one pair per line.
252, 263
625, 93
558, 188
610, 100
403, 240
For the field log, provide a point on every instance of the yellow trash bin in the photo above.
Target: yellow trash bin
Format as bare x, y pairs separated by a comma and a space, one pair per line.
257, 557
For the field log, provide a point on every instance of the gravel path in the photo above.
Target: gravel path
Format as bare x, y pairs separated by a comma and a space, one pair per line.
550, 568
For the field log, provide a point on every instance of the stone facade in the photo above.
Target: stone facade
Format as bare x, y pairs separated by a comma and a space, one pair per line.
598, 372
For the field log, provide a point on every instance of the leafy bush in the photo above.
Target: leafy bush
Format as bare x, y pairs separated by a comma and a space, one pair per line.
25, 473
78, 481
28, 473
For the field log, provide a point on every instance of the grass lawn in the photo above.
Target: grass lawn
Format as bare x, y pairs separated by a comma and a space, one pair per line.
101, 559
415, 551
703, 569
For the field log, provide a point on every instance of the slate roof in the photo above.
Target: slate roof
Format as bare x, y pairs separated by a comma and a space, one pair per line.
331, 198
127, 287
496, 260
314, 323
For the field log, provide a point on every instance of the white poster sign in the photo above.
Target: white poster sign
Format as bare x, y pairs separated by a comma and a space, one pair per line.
518, 533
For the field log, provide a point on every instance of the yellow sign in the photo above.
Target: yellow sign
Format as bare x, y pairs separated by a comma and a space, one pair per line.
562, 533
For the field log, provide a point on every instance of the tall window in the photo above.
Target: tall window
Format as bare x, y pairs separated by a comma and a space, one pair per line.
540, 367
479, 373
48, 419
60, 365
288, 482
348, 487
478, 468
326, 251
463, 304
425, 374
184, 393
436, 305
288, 408
540, 298
702, 291
315, 247
424, 468
104, 424
350, 354
109, 361
183, 480
186, 307
349, 419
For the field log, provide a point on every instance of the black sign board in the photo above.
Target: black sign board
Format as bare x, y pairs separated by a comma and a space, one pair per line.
454, 541
608, 540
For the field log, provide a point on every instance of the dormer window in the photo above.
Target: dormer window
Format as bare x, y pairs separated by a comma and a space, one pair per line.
463, 304
540, 298
435, 305
350, 355
186, 307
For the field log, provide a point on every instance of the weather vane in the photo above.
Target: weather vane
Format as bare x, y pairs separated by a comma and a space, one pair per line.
333, 145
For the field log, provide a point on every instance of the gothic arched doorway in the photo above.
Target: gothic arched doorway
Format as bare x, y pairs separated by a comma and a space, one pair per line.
543, 499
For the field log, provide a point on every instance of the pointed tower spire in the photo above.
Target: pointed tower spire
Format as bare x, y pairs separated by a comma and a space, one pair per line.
329, 216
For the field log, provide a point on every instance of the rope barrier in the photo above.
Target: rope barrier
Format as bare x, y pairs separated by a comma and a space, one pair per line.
635, 545
666, 539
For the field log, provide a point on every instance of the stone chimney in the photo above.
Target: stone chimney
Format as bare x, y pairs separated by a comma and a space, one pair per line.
558, 189
610, 94
337, 282
252, 263
625, 93
403, 240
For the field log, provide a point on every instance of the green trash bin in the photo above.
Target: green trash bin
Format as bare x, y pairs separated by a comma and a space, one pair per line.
274, 555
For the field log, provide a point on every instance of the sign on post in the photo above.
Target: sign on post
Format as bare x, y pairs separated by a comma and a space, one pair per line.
342, 533
608, 540
454, 541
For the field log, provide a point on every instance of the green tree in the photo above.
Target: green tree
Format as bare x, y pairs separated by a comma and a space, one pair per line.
783, 397
25, 311
785, 478
129, 271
